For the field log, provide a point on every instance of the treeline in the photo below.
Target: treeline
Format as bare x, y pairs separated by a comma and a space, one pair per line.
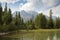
10, 23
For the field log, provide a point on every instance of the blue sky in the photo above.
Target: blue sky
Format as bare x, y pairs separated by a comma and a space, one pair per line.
34, 5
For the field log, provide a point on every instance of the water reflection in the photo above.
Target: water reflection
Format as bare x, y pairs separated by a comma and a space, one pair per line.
39, 36
48, 38
55, 37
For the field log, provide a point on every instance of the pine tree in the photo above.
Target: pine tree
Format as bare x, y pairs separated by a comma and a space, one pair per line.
0, 14
37, 21
57, 22
16, 21
5, 10
9, 18
19, 20
41, 21
44, 22
5, 16
50, 21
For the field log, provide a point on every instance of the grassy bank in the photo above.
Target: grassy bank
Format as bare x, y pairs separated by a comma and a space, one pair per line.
37, 30
41, 30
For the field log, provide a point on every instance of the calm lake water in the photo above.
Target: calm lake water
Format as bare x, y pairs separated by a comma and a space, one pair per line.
33, 36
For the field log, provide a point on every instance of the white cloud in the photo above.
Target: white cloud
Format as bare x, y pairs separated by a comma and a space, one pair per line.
21, 4
8, 1
31, 5
50, 2
27, 6
55, 10
42, 6
38, 5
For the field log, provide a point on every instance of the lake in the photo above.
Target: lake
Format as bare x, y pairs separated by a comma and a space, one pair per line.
33, 36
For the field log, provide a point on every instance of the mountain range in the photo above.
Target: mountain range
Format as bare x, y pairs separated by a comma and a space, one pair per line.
26, 15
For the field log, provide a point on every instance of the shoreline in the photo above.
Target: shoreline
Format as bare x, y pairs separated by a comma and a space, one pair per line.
30, 31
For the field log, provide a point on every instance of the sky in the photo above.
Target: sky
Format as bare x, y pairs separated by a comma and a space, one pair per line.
34, 5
